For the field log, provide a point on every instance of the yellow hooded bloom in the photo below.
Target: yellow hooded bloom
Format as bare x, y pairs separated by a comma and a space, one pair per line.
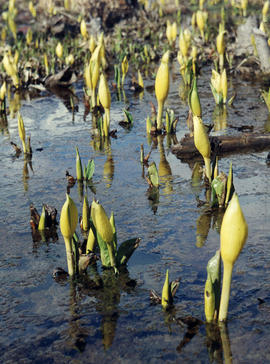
101, 222
68, 218
233, 235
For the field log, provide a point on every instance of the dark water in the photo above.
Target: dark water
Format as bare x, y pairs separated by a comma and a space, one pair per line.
50, 322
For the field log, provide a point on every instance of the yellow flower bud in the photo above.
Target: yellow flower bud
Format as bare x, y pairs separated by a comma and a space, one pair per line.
201, 139
140, 79
187, 36
265, 10
200, 21
216, 81
29, 36
202, 143
69, 59
68, 218
3, 91
162, 85
59, 50
234, 231
83, 29
173, 31
32, 9
169, 31
87, 76
85, 215
92, 43
233, 235
162, 82
101, 222
224, 85
220, 43
183, 46
194, 100
104, 92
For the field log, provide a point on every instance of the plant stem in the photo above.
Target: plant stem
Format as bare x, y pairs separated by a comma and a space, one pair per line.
70, 257
208, 173
159, 115
93, 98
225, 294
221, 62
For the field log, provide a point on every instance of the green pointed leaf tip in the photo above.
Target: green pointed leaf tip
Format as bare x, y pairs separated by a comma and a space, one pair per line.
79, 171
128, 116
219, 186
90, 169
125, 251
42, 220
104, 252
153, 174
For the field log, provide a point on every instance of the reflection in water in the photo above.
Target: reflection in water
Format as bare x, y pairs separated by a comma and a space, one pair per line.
213, 343
203, 225
164, 169
27, 162
267, 124
14, 103
4, 124
192, 325
68, 97
153, 197
108, 170
196, 179
106, 288
219, 117
80, 187
226, 346
218, 343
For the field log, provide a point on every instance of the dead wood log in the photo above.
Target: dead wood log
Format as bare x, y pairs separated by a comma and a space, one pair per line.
222, 145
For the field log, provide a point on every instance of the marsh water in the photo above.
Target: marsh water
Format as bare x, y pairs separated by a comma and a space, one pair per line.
46, 321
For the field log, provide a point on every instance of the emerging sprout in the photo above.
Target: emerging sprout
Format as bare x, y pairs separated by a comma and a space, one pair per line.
21, 131
85, 214
194, 100
124, 66
79, 170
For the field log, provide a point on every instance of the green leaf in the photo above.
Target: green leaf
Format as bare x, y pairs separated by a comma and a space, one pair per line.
103, 248
128, 116
153, 174
219, 185
89, 171
104, 252
125, 250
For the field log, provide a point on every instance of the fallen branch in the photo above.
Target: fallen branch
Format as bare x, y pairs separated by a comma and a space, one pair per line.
220, 145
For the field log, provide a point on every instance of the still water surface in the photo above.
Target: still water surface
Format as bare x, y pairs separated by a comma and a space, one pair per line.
49, 322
